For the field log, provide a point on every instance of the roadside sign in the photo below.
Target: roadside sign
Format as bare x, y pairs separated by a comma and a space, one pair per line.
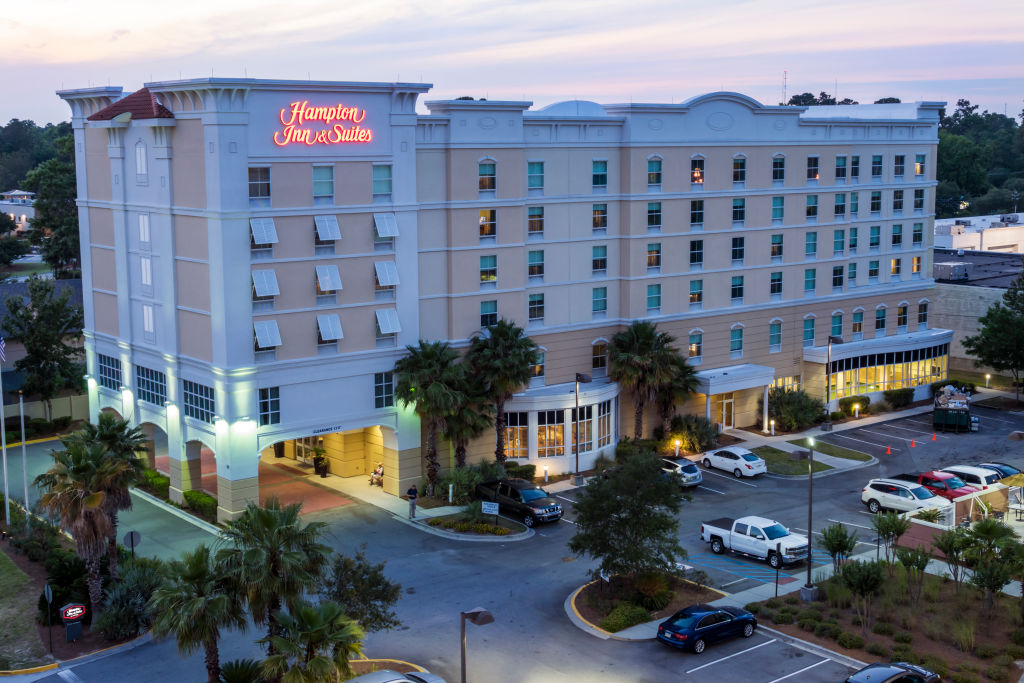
72, 611
132, 539
48, 594
489, 508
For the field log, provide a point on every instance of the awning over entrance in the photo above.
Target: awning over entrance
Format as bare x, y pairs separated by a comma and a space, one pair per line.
886, 344
734, 378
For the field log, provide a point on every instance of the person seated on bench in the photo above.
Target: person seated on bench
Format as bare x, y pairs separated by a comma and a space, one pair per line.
377, 476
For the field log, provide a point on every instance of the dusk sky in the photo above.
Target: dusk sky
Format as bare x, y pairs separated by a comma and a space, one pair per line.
643, 50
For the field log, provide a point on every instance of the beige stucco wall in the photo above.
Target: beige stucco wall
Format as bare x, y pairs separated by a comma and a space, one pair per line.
190, 237
193, 280
101, 226
97, 164
104, 269
105, 312
195, 335
188, 165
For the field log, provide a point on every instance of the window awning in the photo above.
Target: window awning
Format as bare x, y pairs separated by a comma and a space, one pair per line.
267, 334
327, 228
387, 321
387, 273
263, 231
328, 278
385, 224
265, 283
330, 327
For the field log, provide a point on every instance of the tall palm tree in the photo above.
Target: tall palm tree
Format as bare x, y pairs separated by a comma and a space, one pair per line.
314, 645
74, 489
472, 417
195, 604
501, 358
641, 359
121, 442
427, 379
681, 384
273, 557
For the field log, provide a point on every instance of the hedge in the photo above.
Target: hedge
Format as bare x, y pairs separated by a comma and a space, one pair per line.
624, 615
202, 503
899, 398
846, 404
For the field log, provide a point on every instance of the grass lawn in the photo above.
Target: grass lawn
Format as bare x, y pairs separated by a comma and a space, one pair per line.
25, 269
20, 647
782, 462
1004, 382
1002, 403
833, 450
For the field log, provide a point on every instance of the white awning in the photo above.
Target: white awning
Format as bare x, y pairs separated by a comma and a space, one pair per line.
385, 224
387, 273
265, 283
267, 334
734, 378
328, 278
890, 343
327, 228
330, 327
387, 321
263, 231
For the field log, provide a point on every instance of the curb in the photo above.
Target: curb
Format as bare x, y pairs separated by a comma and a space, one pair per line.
422, 526
577, 619
46, 671
33, 670
814, 648
827, 473
205, 526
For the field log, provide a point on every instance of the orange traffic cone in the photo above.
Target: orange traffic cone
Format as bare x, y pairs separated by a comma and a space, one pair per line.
912, 443
888, 451
933, 436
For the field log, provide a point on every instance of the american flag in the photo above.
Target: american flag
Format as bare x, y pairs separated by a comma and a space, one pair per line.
3, 347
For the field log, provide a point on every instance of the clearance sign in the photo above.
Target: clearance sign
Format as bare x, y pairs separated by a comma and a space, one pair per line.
332, 125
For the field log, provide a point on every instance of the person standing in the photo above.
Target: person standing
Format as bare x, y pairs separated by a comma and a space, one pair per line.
413, 494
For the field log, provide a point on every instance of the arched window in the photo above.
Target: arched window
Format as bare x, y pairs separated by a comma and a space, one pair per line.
695, 348
775, 335
487, 172
739, 170
599, 357
736, 341
141, 160
537, 370
809, 329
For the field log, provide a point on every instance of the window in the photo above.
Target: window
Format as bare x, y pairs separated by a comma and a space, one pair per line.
141, 162
918, 200
654, 216
654, 174
653, 298
737, 250
809, 332
259, 185
197, 401
535, 176
839, 206
323, 184
778, 169
776, 247
736, 342
902, 313
696, 171
148, 323
270, 405
739, 170
897, 236
109, 371
488, 268
897, 202
382, 182
854, 203
537, 370
736, 290
876, 167
919, 165
837, 277
696, 345
812, 168
266, 339
488, 313
775, 283
604, 423
895, 266
854, 168
739, 210
810, 280
599, 359
696, 214
599, 219
812, 207
837, 324
775, 336
922, 313
696, 292
696, 253
146, 271
918, 235
387, 327
536, 308
778, 208
151, 385
915, 265
535, 264
144, 228
875, 236
851, 274
840, 168
487, 172
873, 270
599, 259
550, 433
853, 240
517, 435
880, 319
876, 202
328, 283
599, 176
811, 244
385, 230
599, 300
535, 222
898, 164
838, 242
858, 324
488, 222
326, 232
654, 255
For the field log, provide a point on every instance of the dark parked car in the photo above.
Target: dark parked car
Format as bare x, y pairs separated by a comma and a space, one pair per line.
522, 498
697, 626
1002, 468
896, 672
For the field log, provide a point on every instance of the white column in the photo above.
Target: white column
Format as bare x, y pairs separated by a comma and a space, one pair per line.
707, 406
764, 426
531, 437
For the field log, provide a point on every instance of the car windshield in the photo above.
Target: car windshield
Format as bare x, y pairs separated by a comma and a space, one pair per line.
684, 621
955, 483
1004, 470
921, 493
775, 531
532, 494
689, 469
750, 457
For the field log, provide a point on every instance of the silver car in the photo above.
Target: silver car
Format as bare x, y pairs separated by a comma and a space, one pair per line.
389, 676
689, 475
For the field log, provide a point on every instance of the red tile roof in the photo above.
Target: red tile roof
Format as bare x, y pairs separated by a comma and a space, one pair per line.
142, 105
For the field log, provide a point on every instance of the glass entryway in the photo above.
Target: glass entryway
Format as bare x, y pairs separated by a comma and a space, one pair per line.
722, 410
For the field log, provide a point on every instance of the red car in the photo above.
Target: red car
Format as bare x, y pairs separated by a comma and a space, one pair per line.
940, 483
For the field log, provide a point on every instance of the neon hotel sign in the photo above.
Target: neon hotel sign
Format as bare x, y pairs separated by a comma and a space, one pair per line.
340, 124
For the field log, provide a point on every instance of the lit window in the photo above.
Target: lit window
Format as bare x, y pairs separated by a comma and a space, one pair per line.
915, 265
895, 266
696, 291
488, 222
487, 176
697, 171
654, 173
919, 165
776, 252
599, 216
599, 259
536, 308
812, 168
739, 170
902, 314
654, 255
858, 324
535, 221
535, 264
696, 345
488, 268
599, 359
550, 433
517, 435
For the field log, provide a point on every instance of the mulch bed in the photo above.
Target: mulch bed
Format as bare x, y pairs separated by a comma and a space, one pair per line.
596, 599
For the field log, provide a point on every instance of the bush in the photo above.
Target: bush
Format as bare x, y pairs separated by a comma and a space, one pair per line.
753, 607
1017, 636
625, 449
882, 407
877, 649
1003, 660
658, 601
807, 624
603, 462
39, 425
61, 423
903, 637
837, 415
68, 580
827, 630
783, 618
964, 633
792, 600
201, 503
241, 671
624, 615
847, 402
986, 651
838, 594
773, 603
156, 483
964, 678
850, 641
792, 409
882, 629
499, 531
696, 433
435, 521
899, 398
1015, 651
125, 611
936, 664
463, 481
811, 614
997, 673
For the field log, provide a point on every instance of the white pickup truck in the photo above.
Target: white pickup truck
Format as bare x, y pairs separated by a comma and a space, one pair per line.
758, 537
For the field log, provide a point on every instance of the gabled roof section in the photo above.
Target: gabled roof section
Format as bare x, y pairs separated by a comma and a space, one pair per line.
141, 104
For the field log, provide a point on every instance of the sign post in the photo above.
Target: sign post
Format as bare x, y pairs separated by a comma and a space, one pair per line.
132, 539
490, 509
48, 594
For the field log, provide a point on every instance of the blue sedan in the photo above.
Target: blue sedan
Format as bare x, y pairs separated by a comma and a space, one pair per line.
697, 626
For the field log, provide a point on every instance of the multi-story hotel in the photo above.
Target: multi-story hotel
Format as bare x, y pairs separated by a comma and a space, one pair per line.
257, 254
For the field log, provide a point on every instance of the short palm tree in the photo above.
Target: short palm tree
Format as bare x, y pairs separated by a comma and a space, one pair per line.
74, 489
679, 387
472, 417
195, 604
427, 379
502, 359
641, 359
272, 557
314, 645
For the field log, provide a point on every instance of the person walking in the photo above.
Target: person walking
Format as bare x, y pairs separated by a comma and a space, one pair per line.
413, 494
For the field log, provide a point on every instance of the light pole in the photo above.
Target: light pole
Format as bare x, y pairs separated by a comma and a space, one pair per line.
678, 443
478, 616
856, 410
808, 593
832, 339
987, 378
1015, 195
580, 378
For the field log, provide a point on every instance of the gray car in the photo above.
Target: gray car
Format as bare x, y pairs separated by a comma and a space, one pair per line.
689, 475
389, 676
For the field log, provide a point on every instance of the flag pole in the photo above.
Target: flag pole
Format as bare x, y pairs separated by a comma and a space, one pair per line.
24, 458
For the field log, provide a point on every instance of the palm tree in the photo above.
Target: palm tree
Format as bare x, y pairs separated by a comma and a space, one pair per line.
427, 380
272, 557
195, 604
641, 359
314, 645
472, 417
677, 389
74, 489
501, 358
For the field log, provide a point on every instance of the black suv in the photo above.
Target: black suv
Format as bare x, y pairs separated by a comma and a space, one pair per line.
520, 497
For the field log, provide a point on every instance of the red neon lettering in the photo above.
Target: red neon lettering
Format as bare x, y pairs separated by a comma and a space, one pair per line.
298, 113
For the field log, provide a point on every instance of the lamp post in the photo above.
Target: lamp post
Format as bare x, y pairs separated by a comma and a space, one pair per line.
678, 443
856, 410
772, 423
1015, 195
580, 378
809, 592
987, 378
478, 616
832, 339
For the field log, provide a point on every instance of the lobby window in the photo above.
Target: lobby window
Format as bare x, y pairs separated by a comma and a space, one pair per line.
838, 242
696, 214
653, 216
599, 218
259, 186
876, 202
535, 265
778, 170
488, 313
550, 433
810, 281
599, 301
151, 385
839, 206
812, 207
854, 204
696, 293
739, 170
535, 177
654, 257
851, 274
775, 284
858, 325
736, 289
270, 405
902, 314
696, 171
875, 237
599, 359
197, 401
922, 315
535, 310
739, 210
918, 234
604, 423
837, 277
811, 245
487, 178
535, 222
812, 168
880, 319
897, 202
738, 250
876, 167
896, 267
654, 175
599, 176
854, 168
776, 248
872, 272
517, 435
809, 332
653, 299
778, 209
837, 325
488, 223
918, 200
853, 239
109, 372
695, 349
599, 259
381, 182
919, 165
915, 266
488, 269
897, 236
899, 162
696, 253
775, 337
736, 343
323, 184
841, 168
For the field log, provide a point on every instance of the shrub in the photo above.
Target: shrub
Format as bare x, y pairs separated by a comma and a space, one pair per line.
625, 449
882, 629
202, 503
964, 678
986, 651
850, 641
61, 423
463, 526
499, 531
658, 601
783, 618
39, 425
68, 580
882, 407
997, 673
241, 671
624, 615
792, 600
473, 512
964, 635
1017, 636
903, 637
125, 611
810, 614
696, 433
792, 409
463, 481
899, 398
877, 649
449, 524
156, 483
1003, 660
650, 583
603, 462
838, 594
847, 402
928, 515
936, 664
766, 615
753, 607
435, 521
1015, 651
837, 415
773, 603
808, 624
826, 630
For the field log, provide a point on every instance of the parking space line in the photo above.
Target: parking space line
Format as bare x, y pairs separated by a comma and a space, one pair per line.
730, 478
735, 654
733, 583
800, 671
708, 488
569, 521
916, 431
564, 498
996, 419
860, 526
870, 443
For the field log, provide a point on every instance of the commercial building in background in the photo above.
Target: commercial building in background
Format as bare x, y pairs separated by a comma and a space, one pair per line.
1001, 232
20, 206
258, 254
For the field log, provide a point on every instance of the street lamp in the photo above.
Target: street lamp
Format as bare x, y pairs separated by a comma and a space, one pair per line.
585, 379
808, 593
856, 410
832, 339
678, 443
772, 423
1015, 195
478, 616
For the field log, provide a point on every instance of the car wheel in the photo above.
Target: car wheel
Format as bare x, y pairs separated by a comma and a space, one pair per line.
707, 464
748, 630
716, 546
529, 521
699, 645
874, 507
737, 473
774, 561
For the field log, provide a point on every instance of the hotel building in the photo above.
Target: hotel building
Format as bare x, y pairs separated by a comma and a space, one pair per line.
257, 254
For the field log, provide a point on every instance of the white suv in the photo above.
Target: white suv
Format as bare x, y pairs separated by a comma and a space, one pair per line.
739, 461
889, 494
980, 477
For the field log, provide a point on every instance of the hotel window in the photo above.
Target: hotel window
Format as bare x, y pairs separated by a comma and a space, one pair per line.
535, 177
838, 242
599, 359
381, 182
323, 185
653, 216
696, 293
583, 422
141, 162
915, 266
809, 332
537, 369
197, 400
109, 371
738, 250
879, 319
599, 176
839, 207
599, 259
654, 175
550, 433
897, 202
739, 210
604, 423
778, 209
487, 178
262, 238
792, 382
148, 322
841, 169
696, 254
776, 248
266, 339
895, 267
488, 313
259, 186
736, 343
854, 168
696, 345
853, 240
897, 236
898, 164
875, 237
812, 207
775, 337
488, 269
810, 281
326, 232
696, 214
387, 327
775, 284
535, 265
144, 228
812, 168
918, 234
696, 171
328, 284
811, 245
270, 405
654, 257
383, 389
385, 277
919, 165
876, 167
851, 274
517, 435
918, 200
535, 310
837, 324
902, 314
778, 170
535, 222
876, 202
739, 170
599, 300
653, 299
385, 230
264, 289
151, 385
854, 204
599, 218
858, 325
488, 223
837, 277
736, 289
146, 271
922, 315
873, 272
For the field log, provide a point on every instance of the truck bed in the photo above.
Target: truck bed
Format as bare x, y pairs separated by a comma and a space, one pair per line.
721, 523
